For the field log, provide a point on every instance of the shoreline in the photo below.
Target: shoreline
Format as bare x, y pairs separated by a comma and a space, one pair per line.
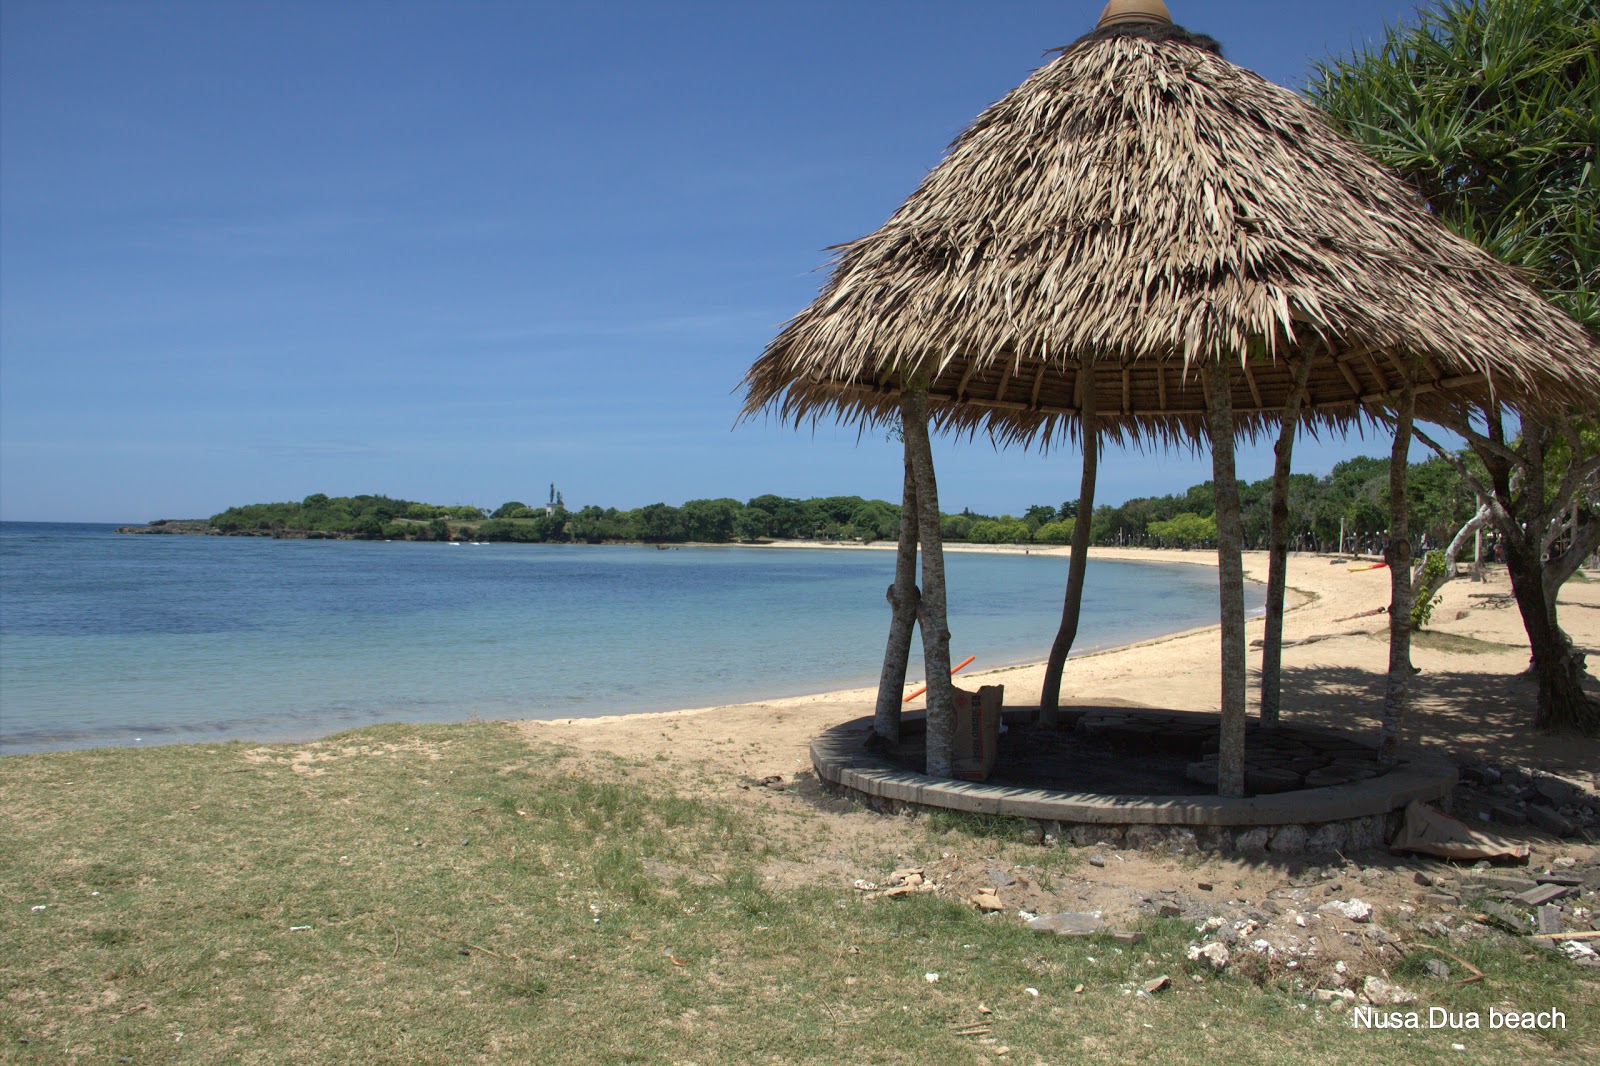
1470, 702
1294, 598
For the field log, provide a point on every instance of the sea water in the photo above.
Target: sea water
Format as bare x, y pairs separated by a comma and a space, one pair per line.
110, 638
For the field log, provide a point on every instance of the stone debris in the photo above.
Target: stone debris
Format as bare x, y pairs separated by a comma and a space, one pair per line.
1542, 894
1216, 955
1070, 923
987, 902
900, 883
1354, 909
1383, 993
1578, 950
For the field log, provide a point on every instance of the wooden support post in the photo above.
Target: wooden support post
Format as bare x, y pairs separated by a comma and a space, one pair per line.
903, 598
1278, 547
1397, 688
1050, 695
931, 608
1230, 579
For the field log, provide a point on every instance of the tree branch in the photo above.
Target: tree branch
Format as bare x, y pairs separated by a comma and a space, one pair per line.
1495, 445
1485, 497
1585, 540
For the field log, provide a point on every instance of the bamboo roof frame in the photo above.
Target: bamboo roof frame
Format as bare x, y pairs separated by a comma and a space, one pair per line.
1145, 205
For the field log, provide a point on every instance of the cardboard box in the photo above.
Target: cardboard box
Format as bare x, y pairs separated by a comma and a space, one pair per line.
977, 732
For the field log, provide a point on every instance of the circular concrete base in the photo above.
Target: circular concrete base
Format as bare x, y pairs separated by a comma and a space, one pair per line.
1350, 815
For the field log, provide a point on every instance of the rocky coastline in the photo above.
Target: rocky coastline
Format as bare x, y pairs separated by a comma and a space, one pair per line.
203, 527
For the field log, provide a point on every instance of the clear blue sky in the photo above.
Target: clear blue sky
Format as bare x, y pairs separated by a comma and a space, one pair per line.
457, 251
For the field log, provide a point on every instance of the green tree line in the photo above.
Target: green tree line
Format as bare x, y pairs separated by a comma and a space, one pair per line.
1354, 492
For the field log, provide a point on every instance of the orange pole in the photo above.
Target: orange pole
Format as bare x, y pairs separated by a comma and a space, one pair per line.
954, 670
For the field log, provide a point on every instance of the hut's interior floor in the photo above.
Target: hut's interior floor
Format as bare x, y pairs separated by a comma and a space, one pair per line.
1156, 753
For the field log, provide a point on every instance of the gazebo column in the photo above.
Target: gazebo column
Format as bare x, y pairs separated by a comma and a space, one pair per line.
1397, 689
1050, 695
1230, 579
1278, 547
903, 598
931, 606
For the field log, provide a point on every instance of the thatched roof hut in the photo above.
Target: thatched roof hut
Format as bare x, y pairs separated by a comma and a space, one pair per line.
1148, 239
1144, 204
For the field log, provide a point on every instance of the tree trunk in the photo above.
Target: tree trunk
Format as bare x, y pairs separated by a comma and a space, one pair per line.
1397, 688
931, 607
1523, 512
1278, 548
1050, 696
1557, 665
903, 598
1230, 581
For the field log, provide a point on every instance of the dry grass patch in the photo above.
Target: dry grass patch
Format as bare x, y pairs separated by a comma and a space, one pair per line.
449, 894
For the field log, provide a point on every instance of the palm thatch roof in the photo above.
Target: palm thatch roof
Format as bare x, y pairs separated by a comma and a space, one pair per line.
1144, 205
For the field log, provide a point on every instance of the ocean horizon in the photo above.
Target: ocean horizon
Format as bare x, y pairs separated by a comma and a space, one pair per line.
116, 639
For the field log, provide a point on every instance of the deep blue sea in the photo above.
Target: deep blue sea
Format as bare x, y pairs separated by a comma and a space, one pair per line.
109, 639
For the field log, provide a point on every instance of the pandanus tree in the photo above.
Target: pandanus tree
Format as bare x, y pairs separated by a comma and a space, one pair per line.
1491, 112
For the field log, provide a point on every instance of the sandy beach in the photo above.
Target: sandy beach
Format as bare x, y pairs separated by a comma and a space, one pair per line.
1469, 701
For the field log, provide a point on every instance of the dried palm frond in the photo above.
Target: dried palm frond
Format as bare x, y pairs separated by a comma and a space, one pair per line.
1145, 205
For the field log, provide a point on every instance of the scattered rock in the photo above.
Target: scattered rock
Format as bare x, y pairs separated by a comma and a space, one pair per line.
1069, 923
1539, 895
1437, 970
1000, 878
1157, 984
1505, 918
1382, 993
1097, 860
1216, 955
1354, 909
987, 902
1509, 815
1551, 822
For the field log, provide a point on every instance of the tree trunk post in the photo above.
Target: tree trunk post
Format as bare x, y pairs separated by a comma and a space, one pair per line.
1558, 666
1230, 580
1050, 695
1278, 548
1397, 687
903, 617
931, 608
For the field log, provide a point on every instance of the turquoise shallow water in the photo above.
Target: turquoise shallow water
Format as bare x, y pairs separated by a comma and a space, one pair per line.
108, 639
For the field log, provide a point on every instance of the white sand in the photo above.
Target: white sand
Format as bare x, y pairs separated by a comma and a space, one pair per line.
1468, 700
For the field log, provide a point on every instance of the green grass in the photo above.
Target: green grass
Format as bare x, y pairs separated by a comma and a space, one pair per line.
473, 899
1452, 643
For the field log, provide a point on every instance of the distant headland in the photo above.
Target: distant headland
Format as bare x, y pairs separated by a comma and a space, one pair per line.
1349, 502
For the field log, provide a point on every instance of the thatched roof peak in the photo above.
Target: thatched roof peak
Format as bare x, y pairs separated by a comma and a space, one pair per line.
1119, 12
1159, 32
1144, 205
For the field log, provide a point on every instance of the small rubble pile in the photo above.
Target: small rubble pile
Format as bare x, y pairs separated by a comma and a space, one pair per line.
909, 881
1542, 905
1519, 796
1334, 930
